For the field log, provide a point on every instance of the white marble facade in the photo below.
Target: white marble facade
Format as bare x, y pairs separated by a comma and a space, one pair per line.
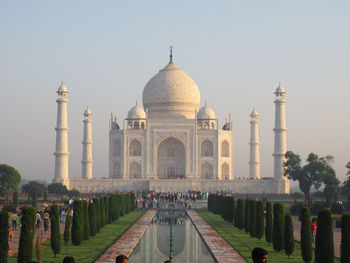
173, 144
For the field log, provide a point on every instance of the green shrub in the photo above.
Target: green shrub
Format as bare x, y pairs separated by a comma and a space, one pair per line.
77, 224
345, 239
252, 218
295, 209
288, 235
269, 223
66, 234
4, 236
247, 215
98, 217
324, 251
55, 230
305, 235
240, 213
92, 219
278, 226
102, 211
259, 219
86, 233
25, 247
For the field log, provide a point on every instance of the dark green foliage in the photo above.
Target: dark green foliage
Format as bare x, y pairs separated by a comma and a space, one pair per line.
92, 219
67, 228
110, 209
240, 214
324, 251
288, 235
98, 217
25, 248
57, 188
105, 198
77, 224
260, 221
345, 239
133, 201
9, 179
45, 196
305, 235
295, 209
127, 203
269, 223
86, 232
34, 189
15, 199
252, 220
118, 206
122, 204
102, 211
55, 230
4, 236
278, 226
247, 214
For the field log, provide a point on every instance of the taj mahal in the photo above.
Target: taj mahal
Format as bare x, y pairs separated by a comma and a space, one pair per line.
171, 144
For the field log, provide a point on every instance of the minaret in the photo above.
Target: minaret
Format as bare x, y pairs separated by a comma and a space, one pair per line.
87, 145
61, 153
254, 162
280, 132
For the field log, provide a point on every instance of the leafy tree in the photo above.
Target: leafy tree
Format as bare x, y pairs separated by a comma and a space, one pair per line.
9, 180
252, 218
25, 248
74, 193
15, 199
86, 233
269, 223
311, 174
4, 236
305, 235
58, 189
324, 251
34, 189
332, 189
45, 196
55, 230
288, 235
92, 219
278, 226
66, 234
259, 219
77, 224
345, 239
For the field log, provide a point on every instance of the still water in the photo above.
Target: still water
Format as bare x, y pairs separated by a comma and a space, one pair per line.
171, 234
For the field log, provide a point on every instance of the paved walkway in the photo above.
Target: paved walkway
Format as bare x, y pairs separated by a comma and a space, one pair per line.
336, 236
45, 235
221, 250
127, 242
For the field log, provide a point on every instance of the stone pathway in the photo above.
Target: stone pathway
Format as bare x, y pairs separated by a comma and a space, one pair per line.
127, 242
221, 250
45, 235
336, 236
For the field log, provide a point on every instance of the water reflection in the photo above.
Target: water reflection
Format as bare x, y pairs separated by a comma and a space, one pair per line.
171, 234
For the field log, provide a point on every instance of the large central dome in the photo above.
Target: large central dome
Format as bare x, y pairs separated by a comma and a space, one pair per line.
171, 93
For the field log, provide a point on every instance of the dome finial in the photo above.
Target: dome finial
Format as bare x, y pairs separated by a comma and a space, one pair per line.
205, 103
137, 103
171, 54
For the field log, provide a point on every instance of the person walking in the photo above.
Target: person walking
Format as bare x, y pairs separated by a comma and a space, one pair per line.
37, 220
14, 218
313, 229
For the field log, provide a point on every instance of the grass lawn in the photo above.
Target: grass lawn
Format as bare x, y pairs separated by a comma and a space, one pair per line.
89, 250
243, 243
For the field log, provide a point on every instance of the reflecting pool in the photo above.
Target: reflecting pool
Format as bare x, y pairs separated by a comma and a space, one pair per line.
171, 235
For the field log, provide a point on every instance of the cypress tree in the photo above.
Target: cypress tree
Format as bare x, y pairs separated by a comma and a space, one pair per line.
133, 201
77, 224
269, 223
288, 235
110, 208
305, 235
98, 217
122, 204
278, 226
345, 239
86, 232
253, 218
92, 219
15, 199
247, 214
25, 247
127, 203
4, 236
324, 251
55, 230
106, 199
240, 213
118, 206
66, 234
259, 219
102, 211
232, 209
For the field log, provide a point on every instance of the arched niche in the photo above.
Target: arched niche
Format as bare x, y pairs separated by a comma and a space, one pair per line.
135, 148
206, 148
171, 159
117, 148
117, 171
135, 171
225, 149
225, 171
206, 171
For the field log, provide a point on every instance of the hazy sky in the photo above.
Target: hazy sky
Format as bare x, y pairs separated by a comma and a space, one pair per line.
236, 51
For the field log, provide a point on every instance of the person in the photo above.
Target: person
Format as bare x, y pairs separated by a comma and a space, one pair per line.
259, 255
14, 218
46, 220
313, 229
122, 259
37, 220
68, 260
10, 237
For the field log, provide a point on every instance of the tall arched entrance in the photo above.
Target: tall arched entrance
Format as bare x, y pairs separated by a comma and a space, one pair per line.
171, 159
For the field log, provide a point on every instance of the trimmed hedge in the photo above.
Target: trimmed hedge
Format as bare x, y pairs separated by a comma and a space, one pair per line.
305, 235
278, 226
324, 251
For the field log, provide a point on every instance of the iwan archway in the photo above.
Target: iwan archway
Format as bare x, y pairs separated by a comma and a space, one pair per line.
171, 159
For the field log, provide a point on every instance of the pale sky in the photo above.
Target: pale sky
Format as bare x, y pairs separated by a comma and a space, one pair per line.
236, 51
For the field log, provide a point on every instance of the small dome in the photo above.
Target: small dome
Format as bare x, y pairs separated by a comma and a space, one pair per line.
87, 112
280, 89
205, 113
254, 113
62, 89
136, 112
